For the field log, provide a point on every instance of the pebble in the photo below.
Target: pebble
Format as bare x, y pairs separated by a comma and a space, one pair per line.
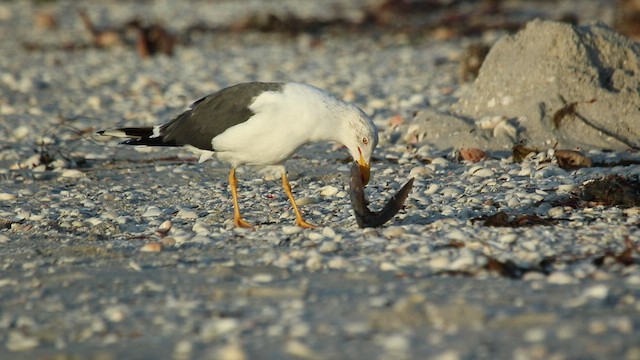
395, 343
328, 247
305, 200
72, 173
291, 230
599, 292
262, 278
17, 341
480, 171
535, 335
299, 350
508, 238
186, 214
448, 355
387, 266
329, 190
338, 262
560, 278
164, 227
7, 196
231, 351
432, 189
200, 228
152, 211
555, 212
393, 231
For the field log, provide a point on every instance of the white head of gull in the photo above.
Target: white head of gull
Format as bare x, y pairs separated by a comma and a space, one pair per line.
262, 124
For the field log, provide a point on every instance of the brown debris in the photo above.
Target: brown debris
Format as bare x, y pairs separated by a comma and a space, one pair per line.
627, 18
568, 111
149, 40
154, 39
471, 61
625, 257
45, 20
612, 190
567, 159
502, 219
102, 38
505, 268
472, 154
520, 152
6, 224
571, 159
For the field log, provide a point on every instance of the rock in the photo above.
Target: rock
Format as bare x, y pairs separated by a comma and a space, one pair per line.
549, 72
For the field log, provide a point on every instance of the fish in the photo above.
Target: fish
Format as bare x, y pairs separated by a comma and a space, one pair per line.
364, 216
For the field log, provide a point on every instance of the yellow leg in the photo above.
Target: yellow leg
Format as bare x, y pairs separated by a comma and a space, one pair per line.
237, 218
287, 189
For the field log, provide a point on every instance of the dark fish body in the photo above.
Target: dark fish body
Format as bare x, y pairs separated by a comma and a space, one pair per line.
366, 217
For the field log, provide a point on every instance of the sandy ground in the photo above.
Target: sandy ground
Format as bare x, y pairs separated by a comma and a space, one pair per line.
87, 271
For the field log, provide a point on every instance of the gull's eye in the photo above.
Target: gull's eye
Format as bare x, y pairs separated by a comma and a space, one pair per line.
365, 140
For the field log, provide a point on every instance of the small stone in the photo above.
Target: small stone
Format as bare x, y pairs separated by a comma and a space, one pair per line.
328, 232
338, 262
328, 247
357, 328
328, 190
299, 350
447, 355
72, 173
439, 263
314, 263
599, 292
6, 196
535, 335
560, 278
508, 238
432, 189
186, 214
556, 211
387, 266
420, 172
164, 227
152, 211
116, 313
151, 247
290, 230
168, 241
305, 200
393, 231
17, 341
396, 343
262, 278
200, 229
20, 132
231, 351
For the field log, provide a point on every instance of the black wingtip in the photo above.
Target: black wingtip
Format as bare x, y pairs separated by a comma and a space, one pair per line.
101, 132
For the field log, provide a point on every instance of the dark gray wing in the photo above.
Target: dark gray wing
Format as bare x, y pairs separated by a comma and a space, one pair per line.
213, 114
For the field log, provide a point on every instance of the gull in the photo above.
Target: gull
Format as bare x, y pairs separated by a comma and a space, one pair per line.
262, 124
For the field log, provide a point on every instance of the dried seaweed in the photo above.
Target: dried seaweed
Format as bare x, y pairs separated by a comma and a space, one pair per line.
625, 257
150, 39
612, 190
502, 219
567, 159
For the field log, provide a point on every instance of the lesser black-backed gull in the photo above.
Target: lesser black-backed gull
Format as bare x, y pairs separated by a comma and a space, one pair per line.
262, 124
